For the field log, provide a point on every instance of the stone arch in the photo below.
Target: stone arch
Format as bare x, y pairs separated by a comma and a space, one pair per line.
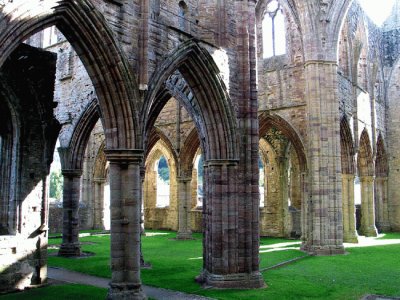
365, 163
381, 187
347, 147
107, 67
365, 166
162, 217
9, 153
268, 121
72, 157
188, 152
157, 135
348, 175
381, 160
210, 107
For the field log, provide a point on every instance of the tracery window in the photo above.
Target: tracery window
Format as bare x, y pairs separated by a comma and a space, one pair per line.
163, 186
273, 29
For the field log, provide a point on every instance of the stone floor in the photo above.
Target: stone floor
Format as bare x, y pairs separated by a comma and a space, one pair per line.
63, 275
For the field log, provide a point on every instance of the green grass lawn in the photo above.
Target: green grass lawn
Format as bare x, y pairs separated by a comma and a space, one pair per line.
367, 270
59, 292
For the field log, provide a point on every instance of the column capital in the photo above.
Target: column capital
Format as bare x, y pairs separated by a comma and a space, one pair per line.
221, 162
71, 172
367, 178
349, 176
184, 179
99, 180
124, 155
319, 62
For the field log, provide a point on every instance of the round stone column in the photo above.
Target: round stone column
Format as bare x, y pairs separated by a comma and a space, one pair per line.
71, 192
125, 187
184, 194
349, 219
367, 227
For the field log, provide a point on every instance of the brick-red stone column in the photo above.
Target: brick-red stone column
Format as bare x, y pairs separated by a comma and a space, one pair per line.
125, 193
324, 203
185, 199
225, 255
71, 192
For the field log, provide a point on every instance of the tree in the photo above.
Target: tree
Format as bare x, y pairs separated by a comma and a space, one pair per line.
56, 184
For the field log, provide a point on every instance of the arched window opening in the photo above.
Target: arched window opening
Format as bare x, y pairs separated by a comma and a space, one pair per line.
289, 182
273, 28
49, 37
182, 15
107, 216
261, 181
162, 169
200, 169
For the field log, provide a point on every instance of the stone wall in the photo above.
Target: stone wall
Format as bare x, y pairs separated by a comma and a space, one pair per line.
28, 78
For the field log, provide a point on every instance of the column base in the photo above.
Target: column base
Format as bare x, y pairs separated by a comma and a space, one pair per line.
70, 249
322, 250
232, 281
350, 237
125, 291
383, 227
184, 235
369, 231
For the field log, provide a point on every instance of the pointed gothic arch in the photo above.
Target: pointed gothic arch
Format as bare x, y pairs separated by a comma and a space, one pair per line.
72, 157
209, 104
365, 163
109, 71
347, 147
268, 121
188, 152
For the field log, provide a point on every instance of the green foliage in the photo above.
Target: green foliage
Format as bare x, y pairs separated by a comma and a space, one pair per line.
56, 184
175, 264
59, 292
163, 170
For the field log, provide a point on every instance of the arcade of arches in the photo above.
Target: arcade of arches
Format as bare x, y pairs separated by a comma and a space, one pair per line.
176, 115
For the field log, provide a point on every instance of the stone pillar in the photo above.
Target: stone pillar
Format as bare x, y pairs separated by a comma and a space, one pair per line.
324, 203
228, 260
283, 203
349, 217
367, 227
184, 192
125, 196
71, 193
98, 211
381, 204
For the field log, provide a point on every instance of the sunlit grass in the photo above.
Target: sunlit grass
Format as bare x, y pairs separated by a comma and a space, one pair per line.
175, 264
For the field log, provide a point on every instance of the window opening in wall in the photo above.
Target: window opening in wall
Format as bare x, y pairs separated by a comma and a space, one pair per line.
107, 216
163, 174
182, 15
49, 36
261, 181
200, 170
56, 179
273, 28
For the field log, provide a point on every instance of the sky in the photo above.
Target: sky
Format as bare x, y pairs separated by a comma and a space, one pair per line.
377, 10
